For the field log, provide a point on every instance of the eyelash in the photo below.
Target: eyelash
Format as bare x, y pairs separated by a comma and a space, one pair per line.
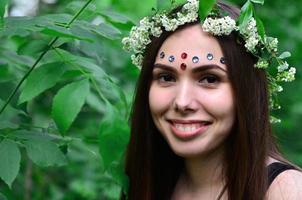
168, 78
209, 78
162, 78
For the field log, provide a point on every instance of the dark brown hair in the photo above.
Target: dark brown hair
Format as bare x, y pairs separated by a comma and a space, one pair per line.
154, 169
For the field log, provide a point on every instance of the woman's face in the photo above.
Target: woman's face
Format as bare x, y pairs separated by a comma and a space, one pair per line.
191, 103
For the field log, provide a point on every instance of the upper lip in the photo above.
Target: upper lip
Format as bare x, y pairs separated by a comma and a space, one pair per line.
191, 121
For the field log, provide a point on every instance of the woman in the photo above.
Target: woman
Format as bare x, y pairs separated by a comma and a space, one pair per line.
200, 125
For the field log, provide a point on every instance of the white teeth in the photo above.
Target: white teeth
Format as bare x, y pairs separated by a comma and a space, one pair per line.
187, 127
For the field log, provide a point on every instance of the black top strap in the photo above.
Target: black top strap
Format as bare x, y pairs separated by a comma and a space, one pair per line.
276, 168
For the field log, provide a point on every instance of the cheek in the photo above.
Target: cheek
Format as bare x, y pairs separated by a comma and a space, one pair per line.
159, 99
221, 104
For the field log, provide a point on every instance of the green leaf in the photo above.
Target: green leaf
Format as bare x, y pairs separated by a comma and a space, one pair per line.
94, 102
30, 135
117, 171
6, 74
2, 11
75, 6
106, 30
9, 116
59, 31
115, 16
85, 63
258, 1
12, 58
2, 7
41, 79
2, 197
21, 26
163, 4
68, 102
284, 55
246, 14
10, 161
8, 125
113, 137
168, 4
44, 153
205, 7
260, 28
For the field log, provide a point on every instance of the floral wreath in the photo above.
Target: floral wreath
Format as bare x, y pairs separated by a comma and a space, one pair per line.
248, 26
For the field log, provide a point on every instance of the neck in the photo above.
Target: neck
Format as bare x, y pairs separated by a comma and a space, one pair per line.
205, 172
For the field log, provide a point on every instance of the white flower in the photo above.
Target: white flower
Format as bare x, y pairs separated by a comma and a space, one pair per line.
287, 76
169, 24
137, 60
279, 88
291, 74
192, 16
220, 26
262, 64
250, 34
274, 120
156, 31
191, 6
249, 29
251, 43
272, 44
283, 67
144, 22
126, 44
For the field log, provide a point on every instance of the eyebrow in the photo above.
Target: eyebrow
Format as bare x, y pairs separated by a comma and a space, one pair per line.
194, 70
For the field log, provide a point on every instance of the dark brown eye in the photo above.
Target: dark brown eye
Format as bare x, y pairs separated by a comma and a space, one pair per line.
209, 80
165, 78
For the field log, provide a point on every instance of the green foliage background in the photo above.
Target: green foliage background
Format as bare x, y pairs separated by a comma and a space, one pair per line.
63, 134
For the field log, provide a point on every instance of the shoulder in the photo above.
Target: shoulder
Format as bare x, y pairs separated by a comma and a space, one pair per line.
286, 186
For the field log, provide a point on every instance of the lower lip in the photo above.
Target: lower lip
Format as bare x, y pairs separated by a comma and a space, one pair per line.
188, 135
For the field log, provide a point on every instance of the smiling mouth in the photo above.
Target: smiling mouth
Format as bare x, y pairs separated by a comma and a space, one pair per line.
188, 129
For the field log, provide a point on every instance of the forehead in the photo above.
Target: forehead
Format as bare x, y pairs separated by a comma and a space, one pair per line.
193, 41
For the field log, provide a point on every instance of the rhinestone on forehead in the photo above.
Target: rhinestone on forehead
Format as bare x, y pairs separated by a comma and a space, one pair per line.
210, 56
183, 66
171, 58
162, 55
195, 59
184, 55
222, 60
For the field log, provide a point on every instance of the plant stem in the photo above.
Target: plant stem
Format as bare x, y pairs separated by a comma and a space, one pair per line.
27, 74
40, 58
78, 13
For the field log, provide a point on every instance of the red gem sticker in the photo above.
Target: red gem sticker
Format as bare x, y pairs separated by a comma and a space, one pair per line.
184, 55
183, 66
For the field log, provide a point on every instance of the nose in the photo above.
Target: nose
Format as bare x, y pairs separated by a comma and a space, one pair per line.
185, 99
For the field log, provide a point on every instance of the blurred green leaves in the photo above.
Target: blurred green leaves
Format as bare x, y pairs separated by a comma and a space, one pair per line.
3, 5
44, 153
167, 4
113, 138
68, 103
10, 161
205, 6
88, 133
43, 78
258, 1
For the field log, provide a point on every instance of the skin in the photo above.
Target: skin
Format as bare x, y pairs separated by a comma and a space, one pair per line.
286, 186
201, 96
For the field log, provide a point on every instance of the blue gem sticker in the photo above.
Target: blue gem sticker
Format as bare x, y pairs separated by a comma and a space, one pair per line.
222, 60
195, 59
171, 58
210, 56
162, 55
